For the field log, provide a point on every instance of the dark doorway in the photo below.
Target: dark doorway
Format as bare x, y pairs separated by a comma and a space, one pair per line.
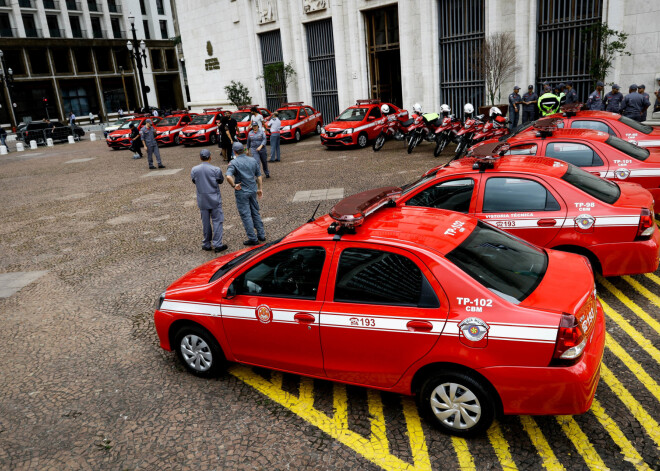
382, 27
322, 70
273, 61
168, 90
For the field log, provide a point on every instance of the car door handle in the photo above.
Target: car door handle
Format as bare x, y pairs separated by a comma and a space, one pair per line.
304, 317
547, 222
595, 173
419, 326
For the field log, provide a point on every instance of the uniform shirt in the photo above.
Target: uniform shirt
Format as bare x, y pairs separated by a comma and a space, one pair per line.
595, 101
72, 119
633, 105
571, 96
148, 136
529, 97
275, 125
245, 171
562, 99
548, 104
257, 118
255, 140
514, 99
613, 102
206, 178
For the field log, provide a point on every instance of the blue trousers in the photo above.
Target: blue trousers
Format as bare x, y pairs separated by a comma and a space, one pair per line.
212, 220
274, 147
513, 117
262, 157
153, 150
248, 209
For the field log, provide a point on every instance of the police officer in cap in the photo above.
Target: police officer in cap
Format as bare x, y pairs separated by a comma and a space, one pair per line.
634, 104
529, 100
595, 101
548, 103
641, 90
206, 178
515, 101
571, 95
613, 100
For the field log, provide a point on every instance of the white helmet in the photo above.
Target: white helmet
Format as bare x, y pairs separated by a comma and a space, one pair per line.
495, 111
445, 108
385, 109
468, 108
417, 108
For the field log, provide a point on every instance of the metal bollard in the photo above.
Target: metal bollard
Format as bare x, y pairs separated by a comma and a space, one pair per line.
3, 150
71, 140
92, 137
20, 147
33, 145
49, 142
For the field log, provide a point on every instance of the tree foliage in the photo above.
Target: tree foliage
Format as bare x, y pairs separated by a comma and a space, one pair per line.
277, 77
496, 62
607, 45
238, 94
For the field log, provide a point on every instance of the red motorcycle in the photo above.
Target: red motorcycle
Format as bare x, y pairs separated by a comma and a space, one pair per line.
394, 128
445, 133
495, 127
424, 128
465, 134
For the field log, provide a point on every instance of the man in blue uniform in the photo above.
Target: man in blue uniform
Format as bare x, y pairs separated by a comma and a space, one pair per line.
515, 101
256, 144
529, 100
634, 104
244, 175
595, 101
657, 98
206, 178
642, 91
613, 100
571, 95
561, 94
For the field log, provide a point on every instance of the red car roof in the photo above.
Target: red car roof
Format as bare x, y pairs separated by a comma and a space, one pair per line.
589, 114
509, 163
589, 134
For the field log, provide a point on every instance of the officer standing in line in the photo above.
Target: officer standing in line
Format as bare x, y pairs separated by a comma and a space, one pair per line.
634, 104
595, 101
529, 100
548, 104
562, 96
256, 144
206, 178
515, 100
148, 135
613, 100
244, 175
657, 98
641, 90
571, 95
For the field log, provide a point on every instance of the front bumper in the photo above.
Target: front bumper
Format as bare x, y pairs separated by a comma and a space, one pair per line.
195, 139
629, 258
338, 140
120, 144
166, 139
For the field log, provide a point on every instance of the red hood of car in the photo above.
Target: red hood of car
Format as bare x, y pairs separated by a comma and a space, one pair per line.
167, 128
201, 275
120, 132
198, 127
342, 125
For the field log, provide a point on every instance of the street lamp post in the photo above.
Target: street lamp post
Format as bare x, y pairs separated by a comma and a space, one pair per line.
138, 52
7, 78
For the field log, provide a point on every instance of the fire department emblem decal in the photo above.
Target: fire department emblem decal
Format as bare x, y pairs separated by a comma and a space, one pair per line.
264, 314
473, 328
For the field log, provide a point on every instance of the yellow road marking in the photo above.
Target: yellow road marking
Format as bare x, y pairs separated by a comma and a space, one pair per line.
630, 304
378, 433
550, 461
654, 278
306, 395
644, 418
631, 331
501, 447
643, 377
628, 451
418, 446
581, 442
465, 460
276, 378
336, 427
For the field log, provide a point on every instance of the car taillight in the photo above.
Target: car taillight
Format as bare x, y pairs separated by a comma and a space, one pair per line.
646, 225
570, 339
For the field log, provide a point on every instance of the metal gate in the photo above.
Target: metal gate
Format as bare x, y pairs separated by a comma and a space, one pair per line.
461, 27
271, 53
563, 46
322, 70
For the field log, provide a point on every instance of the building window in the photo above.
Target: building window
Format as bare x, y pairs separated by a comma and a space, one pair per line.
145, 25
92, 5
163, 29
38, 61
156, 59
25, 4
14, 59
170, 59
73, 5
83, 59
76, 31
96, 28
143, 7
160, 7
113, 7
117, 33
31, 30
103, 59
5, 26
51, 5
382, 26
62, 63
75, 99
53, 26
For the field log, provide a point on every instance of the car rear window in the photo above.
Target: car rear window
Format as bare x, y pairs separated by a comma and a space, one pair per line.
628, 148
506, 265
591, 184
637, 126
240, 259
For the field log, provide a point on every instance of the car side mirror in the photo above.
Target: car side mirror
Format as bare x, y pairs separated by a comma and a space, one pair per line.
370, 118
229, 291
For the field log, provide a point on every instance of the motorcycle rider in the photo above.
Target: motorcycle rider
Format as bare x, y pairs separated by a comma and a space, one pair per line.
549, 104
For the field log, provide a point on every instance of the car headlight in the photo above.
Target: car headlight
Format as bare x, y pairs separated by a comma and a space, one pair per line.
161, 298
323, 130
286, 128
165, 133
348, 131
200, 132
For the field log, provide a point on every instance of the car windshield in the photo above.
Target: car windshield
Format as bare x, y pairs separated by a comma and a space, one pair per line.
593, 185
628, 148
509, 267
518, 130
287, 114
408, 187
126, 125
353, 114
241, 116
171, 121
637, 126
203, 119
119, 122
240, 259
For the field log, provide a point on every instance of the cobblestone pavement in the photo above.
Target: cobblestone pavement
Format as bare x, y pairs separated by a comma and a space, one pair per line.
84, 384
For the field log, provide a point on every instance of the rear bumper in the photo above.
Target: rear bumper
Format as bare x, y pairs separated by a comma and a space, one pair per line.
629, 258
552, 390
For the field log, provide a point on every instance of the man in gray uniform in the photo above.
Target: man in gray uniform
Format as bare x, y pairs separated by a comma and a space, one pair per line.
256, 144
244, 175
206, 178
634, 104
595, 101
148, 135
515, 100
529, 100
613, 100
571, 94
642, 91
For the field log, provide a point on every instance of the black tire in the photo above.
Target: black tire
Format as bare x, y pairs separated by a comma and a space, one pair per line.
439, 147
414, 140
201, 349
362, 140
213, 138
443, 143
470, 410
318, 128
460, 148
177, 140
297, 136
379, 142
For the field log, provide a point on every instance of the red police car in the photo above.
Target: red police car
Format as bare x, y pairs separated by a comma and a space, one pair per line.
598, 152
551, 204
356, 125
203, 127
298, 120
411, 300
242, 117
121, 138
169, 128
614, 124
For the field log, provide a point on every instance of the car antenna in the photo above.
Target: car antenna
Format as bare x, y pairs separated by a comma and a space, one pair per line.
314, 213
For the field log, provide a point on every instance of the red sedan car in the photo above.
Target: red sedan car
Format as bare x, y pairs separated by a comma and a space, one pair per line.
203, 128
242, 117
169, 128
121, 138
298, 120
416, 301
357, 124
598, 152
